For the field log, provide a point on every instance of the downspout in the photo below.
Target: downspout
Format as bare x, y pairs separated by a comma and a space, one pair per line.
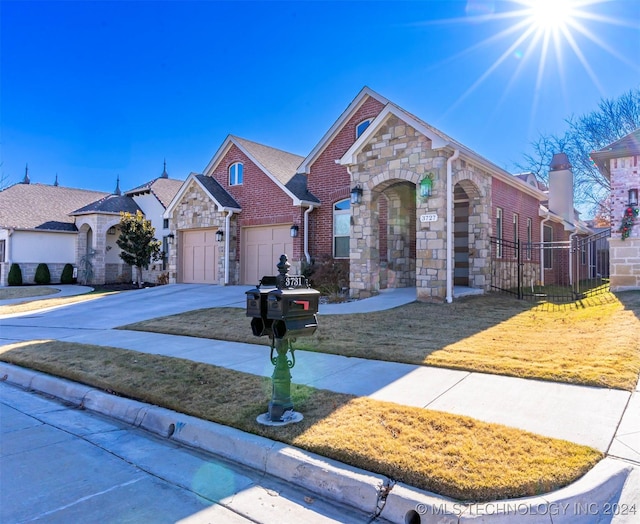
449, 269
227, 227
306, 234
542, 248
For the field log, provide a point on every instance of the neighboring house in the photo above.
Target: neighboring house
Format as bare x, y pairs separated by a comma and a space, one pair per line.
57, 225
401, 202
619, 163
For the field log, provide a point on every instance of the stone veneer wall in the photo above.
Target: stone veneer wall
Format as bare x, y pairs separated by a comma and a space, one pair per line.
624, 254
624, 260
197, 211
398, 153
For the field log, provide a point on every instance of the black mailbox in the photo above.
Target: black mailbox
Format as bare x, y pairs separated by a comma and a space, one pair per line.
288, 304
257, 306
293, 312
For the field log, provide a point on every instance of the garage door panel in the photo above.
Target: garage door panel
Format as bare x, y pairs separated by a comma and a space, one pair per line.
261, 250
199, 260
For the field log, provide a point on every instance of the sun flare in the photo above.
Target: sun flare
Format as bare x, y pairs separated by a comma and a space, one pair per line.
550, 15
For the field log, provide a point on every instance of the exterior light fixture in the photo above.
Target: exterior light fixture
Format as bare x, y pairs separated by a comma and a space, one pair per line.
356, 195
294, 231
633, 197
426, 185
112, 230
170, 238
219, 235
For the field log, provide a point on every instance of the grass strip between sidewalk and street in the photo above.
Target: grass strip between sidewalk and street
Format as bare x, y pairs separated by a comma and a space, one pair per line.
592, 342
451, 455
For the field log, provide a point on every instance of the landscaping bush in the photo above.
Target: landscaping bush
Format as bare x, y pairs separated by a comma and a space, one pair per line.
15, 275
328, 275
42, 274
67, 275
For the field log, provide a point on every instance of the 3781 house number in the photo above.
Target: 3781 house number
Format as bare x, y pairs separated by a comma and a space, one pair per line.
429, 217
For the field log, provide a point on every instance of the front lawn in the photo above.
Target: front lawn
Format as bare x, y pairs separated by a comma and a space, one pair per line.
591, 342
452, 455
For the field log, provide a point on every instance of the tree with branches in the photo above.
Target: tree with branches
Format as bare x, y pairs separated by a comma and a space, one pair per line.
613, 119
138, 243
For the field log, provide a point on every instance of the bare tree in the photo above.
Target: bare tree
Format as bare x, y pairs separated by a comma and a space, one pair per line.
613, 119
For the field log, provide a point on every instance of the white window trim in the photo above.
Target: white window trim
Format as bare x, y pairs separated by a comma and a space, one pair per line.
368, 121
234, 182
333, 235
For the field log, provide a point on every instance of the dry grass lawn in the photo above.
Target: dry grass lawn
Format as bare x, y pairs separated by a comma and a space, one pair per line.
7, 293
448, 454
590, 342
35, 305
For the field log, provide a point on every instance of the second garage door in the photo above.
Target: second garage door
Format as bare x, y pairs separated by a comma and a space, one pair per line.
261, 250
199, 260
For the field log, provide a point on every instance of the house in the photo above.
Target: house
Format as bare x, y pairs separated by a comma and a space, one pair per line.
398, 201
56, 225
618, 162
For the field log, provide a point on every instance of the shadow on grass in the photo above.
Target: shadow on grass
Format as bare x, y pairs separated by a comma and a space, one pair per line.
451, 455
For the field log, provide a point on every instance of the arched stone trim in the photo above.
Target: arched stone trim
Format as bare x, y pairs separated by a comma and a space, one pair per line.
478, 189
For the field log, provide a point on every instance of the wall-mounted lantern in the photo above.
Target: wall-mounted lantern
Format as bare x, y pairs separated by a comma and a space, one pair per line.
426, 185
111, 230
294, 231
356, 195
170, 238
633, 197
219, 235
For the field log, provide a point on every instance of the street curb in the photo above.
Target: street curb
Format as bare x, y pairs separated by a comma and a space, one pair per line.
578, 503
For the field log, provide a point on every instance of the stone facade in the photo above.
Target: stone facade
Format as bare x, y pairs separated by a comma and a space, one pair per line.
625, 263
196, 210
393, 163
624, 254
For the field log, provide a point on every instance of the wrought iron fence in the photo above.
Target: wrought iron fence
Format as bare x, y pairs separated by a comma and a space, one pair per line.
553, 271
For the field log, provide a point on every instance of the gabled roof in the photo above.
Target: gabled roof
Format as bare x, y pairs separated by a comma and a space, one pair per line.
278, 165
439, 140
163, 188
361, 97
628, 145
42, 207
110, 204
220, 197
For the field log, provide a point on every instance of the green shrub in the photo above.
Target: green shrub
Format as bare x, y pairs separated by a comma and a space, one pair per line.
67, 275
42, 274
15, 275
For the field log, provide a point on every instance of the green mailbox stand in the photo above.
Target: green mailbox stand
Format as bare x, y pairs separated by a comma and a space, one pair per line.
283, 308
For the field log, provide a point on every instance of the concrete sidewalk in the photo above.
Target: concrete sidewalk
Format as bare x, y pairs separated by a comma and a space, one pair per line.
608, 420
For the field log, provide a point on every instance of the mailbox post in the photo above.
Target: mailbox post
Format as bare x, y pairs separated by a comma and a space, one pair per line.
284, 310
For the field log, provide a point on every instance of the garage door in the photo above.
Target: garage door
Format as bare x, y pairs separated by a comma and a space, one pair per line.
261, 249
199, 257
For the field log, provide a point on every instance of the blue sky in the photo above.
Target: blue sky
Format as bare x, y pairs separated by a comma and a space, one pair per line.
95, 90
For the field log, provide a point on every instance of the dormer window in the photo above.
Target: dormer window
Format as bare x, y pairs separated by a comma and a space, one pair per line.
362, 126
235, 174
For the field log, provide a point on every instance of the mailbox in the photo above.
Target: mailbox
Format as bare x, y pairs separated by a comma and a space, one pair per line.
257, 306
293, 312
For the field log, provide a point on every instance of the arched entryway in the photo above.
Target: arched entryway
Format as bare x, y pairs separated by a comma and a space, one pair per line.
460, 237
471, 224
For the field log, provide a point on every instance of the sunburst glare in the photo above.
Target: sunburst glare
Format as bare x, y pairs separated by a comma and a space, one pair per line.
543, 35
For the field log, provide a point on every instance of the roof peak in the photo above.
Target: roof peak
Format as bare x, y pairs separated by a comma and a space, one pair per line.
164, 171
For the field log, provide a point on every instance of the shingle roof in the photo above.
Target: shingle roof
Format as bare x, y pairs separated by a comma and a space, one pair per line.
279, 163
218, 192
298, 186
43, 207
111, 204
629, 144
163, 188
282, 165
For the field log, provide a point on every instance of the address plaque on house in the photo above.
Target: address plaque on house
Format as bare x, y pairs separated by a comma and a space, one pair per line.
429, 217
